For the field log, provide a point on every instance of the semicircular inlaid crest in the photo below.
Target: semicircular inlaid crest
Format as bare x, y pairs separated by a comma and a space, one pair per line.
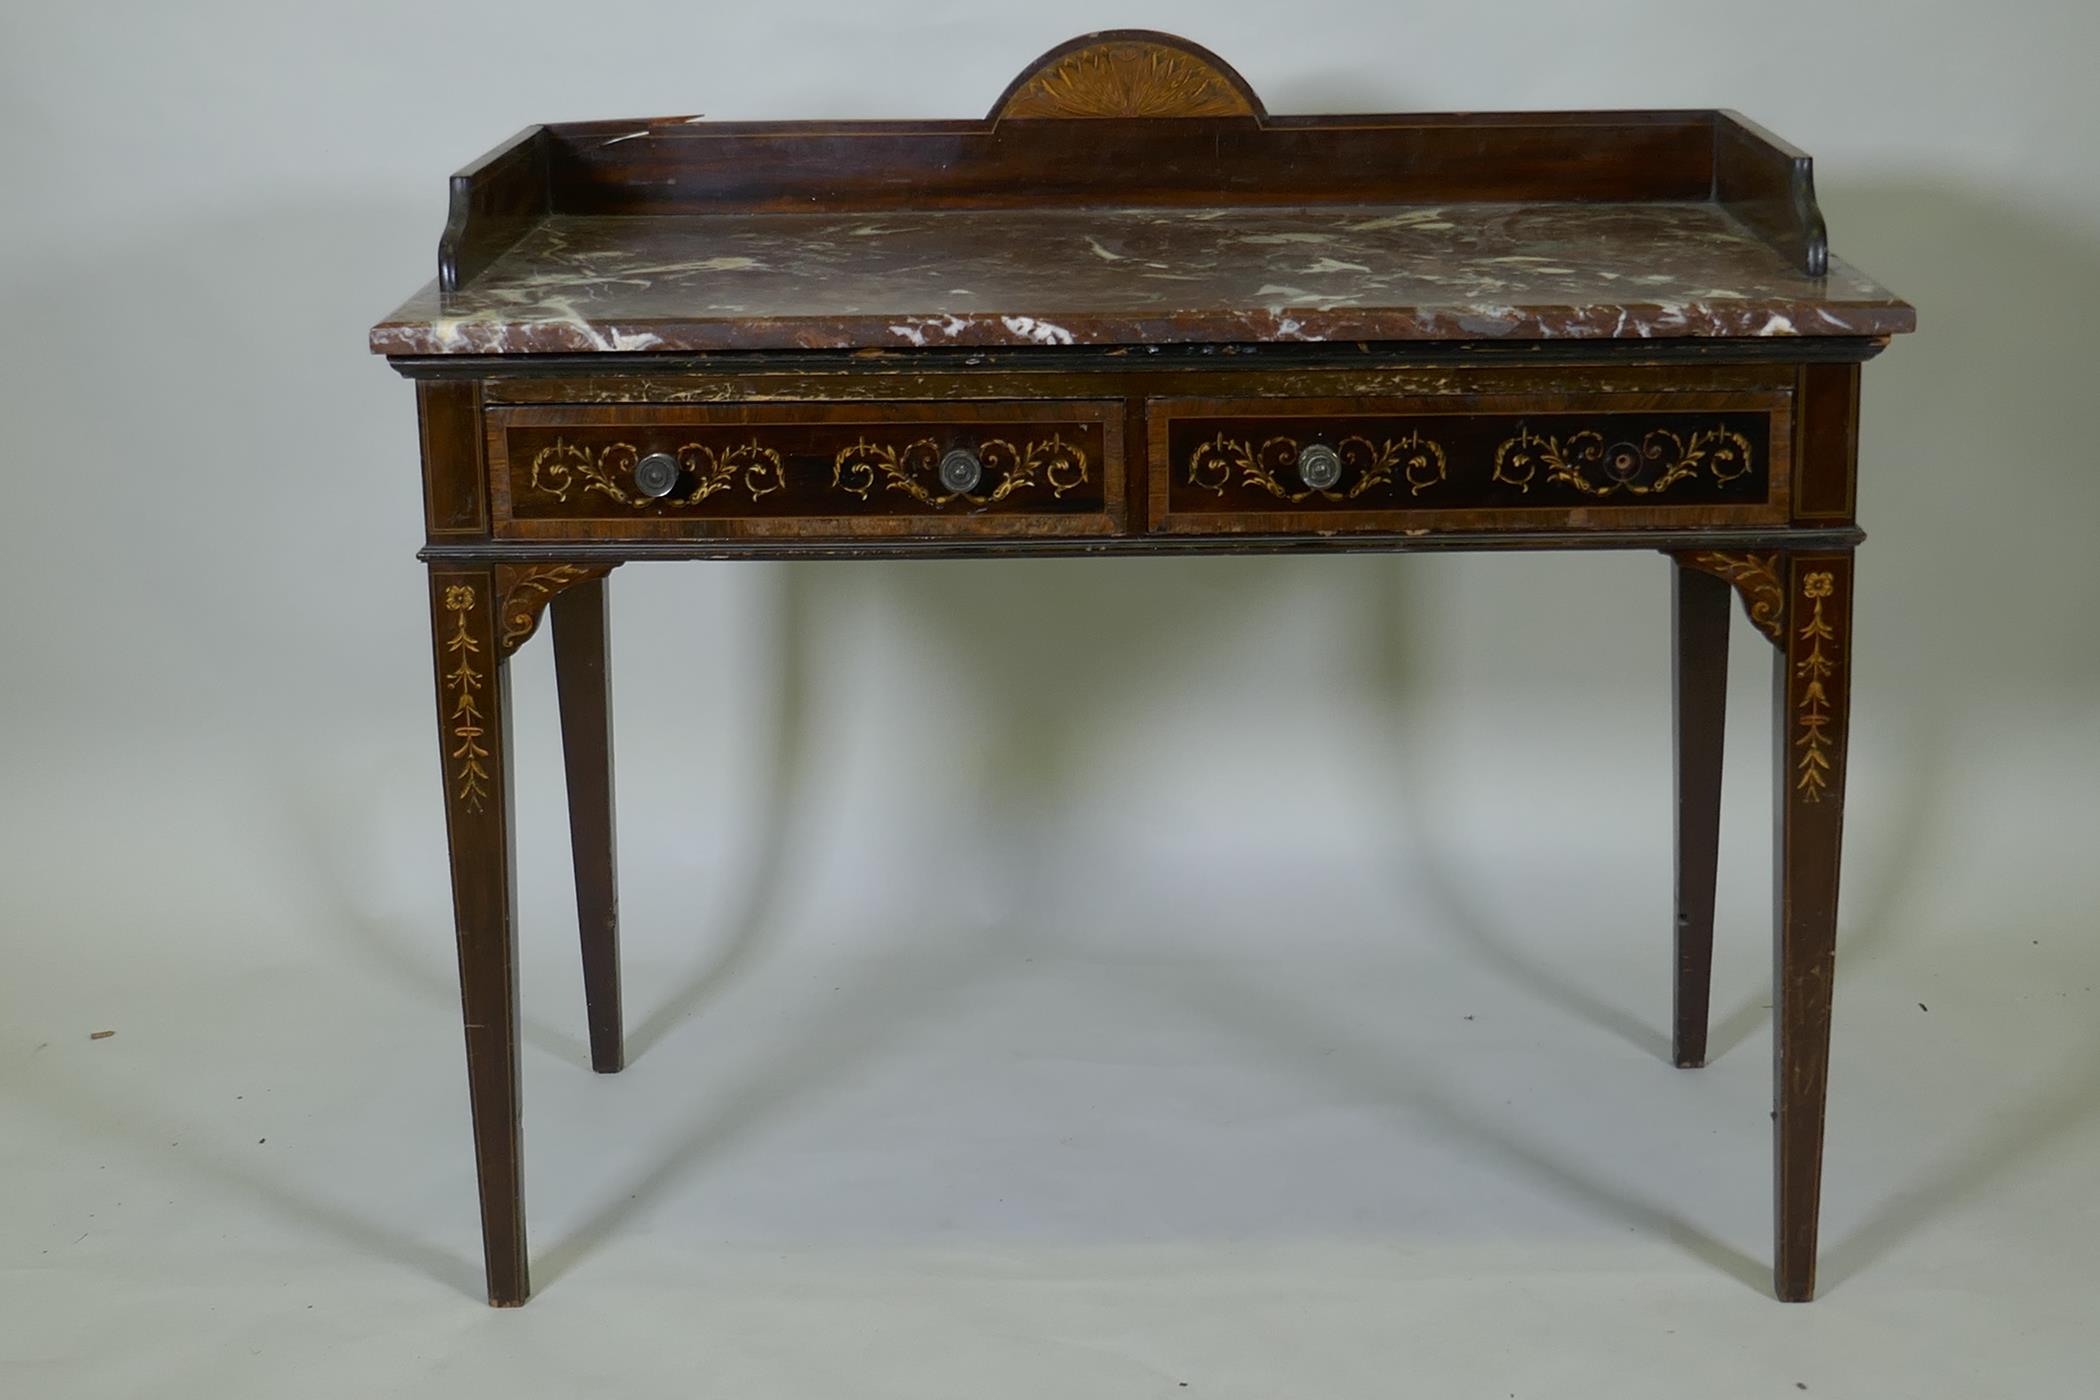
1128, 73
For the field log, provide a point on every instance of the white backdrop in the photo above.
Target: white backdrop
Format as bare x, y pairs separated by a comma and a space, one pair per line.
994, 1030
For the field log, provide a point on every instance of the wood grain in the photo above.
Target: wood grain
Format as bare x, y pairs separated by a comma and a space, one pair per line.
1127, 73
583, 685
1812, 697
1516, 331
473, 692
1699, 670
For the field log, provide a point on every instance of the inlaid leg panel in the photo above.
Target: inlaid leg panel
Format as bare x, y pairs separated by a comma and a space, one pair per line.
473, 699
1813, 693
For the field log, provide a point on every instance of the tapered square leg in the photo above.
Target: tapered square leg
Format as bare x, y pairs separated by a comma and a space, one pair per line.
1699, 664
473, 695
1813, 694
583, 680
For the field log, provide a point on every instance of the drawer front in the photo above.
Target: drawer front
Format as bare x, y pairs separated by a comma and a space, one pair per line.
744, 470
1612, 461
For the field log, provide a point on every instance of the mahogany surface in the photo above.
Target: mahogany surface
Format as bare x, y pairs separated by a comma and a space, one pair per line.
1132, 311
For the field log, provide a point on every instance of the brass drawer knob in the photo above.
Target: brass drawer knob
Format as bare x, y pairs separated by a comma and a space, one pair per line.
1318, 466
656, 474
961, 470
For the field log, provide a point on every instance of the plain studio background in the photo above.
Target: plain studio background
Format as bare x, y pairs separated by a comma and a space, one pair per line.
992, 1035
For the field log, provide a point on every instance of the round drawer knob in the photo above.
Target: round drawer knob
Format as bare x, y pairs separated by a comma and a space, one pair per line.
656, 474
1623, 461
961, 470
1318, 466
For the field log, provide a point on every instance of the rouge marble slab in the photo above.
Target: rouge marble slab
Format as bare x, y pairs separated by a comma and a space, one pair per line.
1112, 276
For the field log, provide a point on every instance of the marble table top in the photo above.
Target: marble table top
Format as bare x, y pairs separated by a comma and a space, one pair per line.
1019, 276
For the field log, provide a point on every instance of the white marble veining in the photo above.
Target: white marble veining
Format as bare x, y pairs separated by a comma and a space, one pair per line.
1059, 277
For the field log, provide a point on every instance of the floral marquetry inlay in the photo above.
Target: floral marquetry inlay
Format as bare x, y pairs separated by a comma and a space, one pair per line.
1814, 717
1366, 466
914, 469
526, 589
1127, 78
466, 723
1756, 580
1598, 466
565, 469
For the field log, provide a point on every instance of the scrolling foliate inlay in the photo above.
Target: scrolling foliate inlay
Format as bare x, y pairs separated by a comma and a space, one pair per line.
568, 468
1127, 79
466, 724
1420, 461
1755, 578
1597, 466
863, 466
1813, 712
526, 589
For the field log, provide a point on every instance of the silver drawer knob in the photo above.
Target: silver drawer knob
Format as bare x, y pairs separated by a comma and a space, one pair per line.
656, 474
1318, 466
961, 471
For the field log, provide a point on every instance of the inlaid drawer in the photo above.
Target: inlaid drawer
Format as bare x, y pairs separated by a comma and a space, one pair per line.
1607, 461
742, 470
